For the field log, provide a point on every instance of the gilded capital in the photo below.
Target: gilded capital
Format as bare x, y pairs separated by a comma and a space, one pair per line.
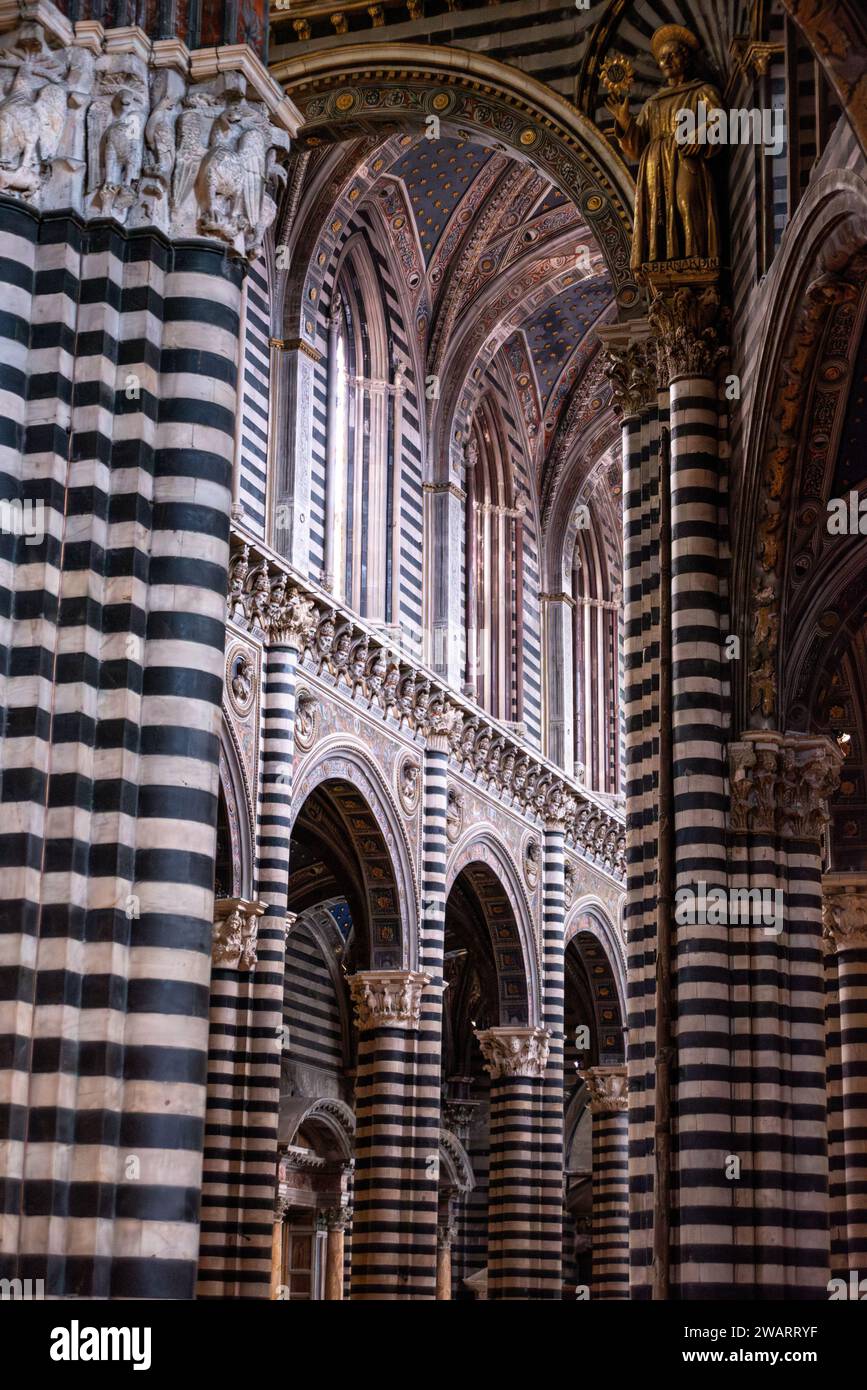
686, 323
515, 1051
844, 911
631, 369
387, 998
608, 1088
236, 926
780, 784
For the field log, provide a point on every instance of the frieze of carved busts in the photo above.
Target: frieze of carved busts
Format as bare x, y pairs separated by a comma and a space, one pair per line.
236, 926
844, 911
780, 784
515, 1051
102, 123
387, 998
339, 650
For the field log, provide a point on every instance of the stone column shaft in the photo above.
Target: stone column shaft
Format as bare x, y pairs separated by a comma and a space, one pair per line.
394, 1224
845, 914
522, 1262
608, 1107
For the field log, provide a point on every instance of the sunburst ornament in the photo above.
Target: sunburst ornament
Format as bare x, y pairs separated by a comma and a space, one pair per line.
617, 74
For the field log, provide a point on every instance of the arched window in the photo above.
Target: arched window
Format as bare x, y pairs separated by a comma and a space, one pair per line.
596, 644
493, 578
360, 475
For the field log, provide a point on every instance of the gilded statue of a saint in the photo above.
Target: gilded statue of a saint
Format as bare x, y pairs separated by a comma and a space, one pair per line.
675, 206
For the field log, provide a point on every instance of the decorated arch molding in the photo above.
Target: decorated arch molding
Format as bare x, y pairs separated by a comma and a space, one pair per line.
590, 915
238, 797
801, 364
385, 87
332, 1117
455, 1166
380, 842
513, 939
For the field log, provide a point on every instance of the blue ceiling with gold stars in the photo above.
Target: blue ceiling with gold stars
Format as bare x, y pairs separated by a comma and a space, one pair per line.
557, 329
437, 174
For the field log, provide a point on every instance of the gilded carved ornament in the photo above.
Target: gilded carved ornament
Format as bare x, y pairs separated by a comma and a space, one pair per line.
780, 784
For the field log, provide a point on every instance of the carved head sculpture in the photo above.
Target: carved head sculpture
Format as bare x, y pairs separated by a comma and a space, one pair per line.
673, 46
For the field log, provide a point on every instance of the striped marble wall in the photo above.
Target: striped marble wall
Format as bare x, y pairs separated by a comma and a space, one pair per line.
121, 378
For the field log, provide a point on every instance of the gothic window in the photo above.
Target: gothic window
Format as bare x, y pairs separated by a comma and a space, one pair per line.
493, 571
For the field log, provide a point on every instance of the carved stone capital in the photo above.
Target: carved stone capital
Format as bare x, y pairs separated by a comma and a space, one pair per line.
608, 1088
388, 998
337, 1218
446, 1231
236, 926
291, 618
780, 783
687, 324
844, 910
515, 1051
631, 369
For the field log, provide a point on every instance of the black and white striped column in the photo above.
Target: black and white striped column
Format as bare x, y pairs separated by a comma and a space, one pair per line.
845, 913
393, 1231
241, 1137
113, 679
685, 325
632, 370
519, 1251
779, 784
550, 1170
608, 1101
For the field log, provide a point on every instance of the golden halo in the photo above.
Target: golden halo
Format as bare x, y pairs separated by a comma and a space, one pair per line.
616, 74
668, 32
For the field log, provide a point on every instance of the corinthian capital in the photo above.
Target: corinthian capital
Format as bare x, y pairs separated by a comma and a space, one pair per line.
608, 1088
388, 998
780, 784
844, 910
687, 324
291, 618
631, 369
515, 1051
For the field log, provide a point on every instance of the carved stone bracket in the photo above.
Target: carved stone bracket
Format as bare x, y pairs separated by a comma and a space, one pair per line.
780, 784
608, 1088
515, 1051
844, 910
688, 324
112, 125
388, 998
236, 926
